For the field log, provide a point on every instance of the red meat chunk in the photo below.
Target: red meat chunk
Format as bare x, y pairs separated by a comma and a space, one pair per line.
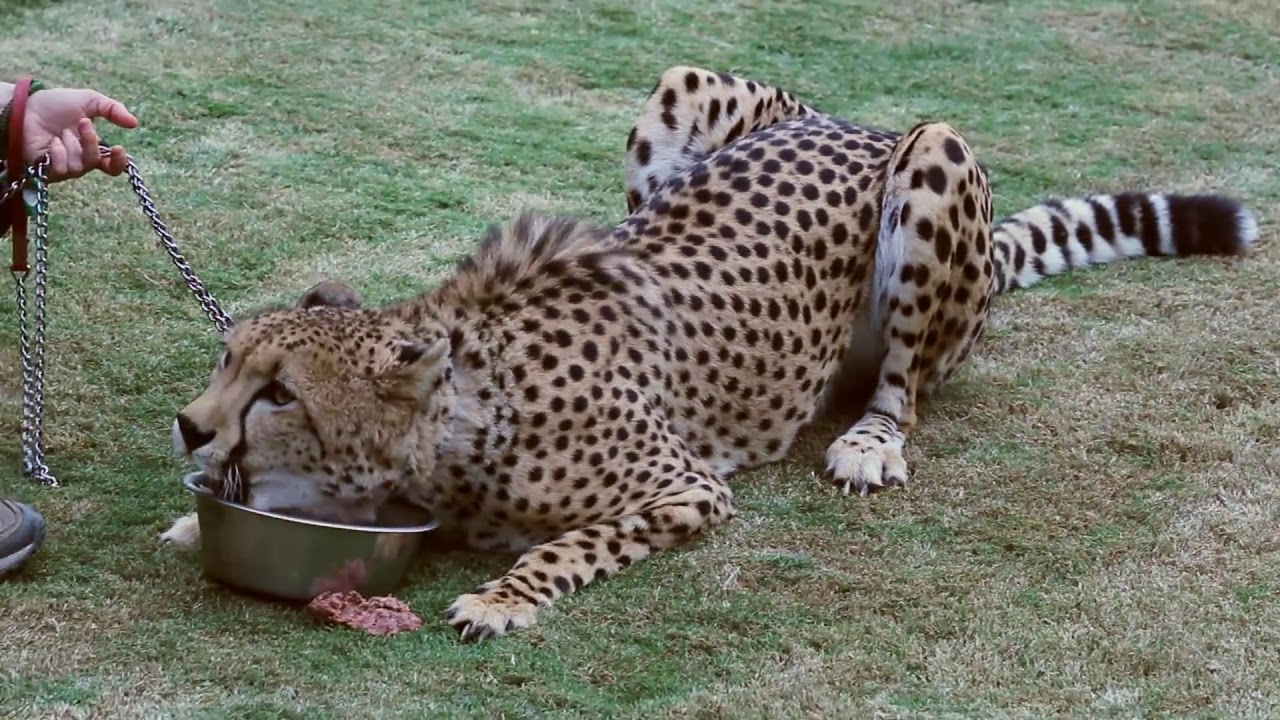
376, 615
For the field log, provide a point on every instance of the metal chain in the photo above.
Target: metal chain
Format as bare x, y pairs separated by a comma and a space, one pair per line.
31, 345
36, 466
10, 187
32, 351
211, 308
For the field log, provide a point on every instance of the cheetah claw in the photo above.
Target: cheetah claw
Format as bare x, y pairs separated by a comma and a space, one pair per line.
184, 533
480, 617
858, 464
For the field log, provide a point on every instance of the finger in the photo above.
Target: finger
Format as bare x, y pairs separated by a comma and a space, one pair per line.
57, 161
75, 155
99, 105
90, 154
115, 162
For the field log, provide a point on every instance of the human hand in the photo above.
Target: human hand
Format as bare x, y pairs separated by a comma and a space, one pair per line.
59, 122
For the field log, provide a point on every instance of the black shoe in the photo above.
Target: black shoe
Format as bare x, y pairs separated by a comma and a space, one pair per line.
21, 531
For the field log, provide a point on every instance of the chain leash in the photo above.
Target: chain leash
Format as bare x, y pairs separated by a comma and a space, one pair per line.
12, 187
211, 308
31, 343
31, 349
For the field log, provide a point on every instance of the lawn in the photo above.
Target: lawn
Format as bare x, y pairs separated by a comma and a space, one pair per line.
1093, 527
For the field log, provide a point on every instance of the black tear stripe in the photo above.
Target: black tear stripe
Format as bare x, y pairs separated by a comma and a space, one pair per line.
238, 451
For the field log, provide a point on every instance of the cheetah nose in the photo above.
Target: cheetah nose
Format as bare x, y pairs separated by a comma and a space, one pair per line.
193, 438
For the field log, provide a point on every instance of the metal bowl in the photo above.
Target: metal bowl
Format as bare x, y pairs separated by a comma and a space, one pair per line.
297, 559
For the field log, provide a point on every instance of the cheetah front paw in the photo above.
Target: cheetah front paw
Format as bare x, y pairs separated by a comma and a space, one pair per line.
184, 533
868, 456
489, 613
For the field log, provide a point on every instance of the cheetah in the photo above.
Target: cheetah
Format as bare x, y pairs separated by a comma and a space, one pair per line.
580, 394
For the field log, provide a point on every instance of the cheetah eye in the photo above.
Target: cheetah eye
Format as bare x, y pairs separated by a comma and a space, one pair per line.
225, 360
277, 394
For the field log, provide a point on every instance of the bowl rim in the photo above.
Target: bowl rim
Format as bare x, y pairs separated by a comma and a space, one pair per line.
189, 482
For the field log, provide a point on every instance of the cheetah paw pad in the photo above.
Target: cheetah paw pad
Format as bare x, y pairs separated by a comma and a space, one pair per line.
478, 617
860, 462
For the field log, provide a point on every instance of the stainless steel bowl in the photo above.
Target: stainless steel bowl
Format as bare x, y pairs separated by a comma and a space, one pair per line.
298, 559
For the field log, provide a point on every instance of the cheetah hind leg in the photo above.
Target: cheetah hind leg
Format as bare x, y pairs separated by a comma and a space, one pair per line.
933, 285
682, 503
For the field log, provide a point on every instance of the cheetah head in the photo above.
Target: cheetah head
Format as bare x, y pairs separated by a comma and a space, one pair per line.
323, 410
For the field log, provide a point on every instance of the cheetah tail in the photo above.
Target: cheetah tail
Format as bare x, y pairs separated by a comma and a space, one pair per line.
1059, 235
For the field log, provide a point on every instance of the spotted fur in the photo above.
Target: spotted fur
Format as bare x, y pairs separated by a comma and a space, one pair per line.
580, 394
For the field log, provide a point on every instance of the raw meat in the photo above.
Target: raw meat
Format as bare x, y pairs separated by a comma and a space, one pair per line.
383, 615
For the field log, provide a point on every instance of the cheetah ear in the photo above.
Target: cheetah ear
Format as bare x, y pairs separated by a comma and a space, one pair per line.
415, 369
330, 293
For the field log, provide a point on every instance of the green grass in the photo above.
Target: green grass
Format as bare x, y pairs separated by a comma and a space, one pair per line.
1092, 525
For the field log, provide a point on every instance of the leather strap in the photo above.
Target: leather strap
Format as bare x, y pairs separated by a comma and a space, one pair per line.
15, 211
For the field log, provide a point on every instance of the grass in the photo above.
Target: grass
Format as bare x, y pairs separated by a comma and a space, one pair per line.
1092, 528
